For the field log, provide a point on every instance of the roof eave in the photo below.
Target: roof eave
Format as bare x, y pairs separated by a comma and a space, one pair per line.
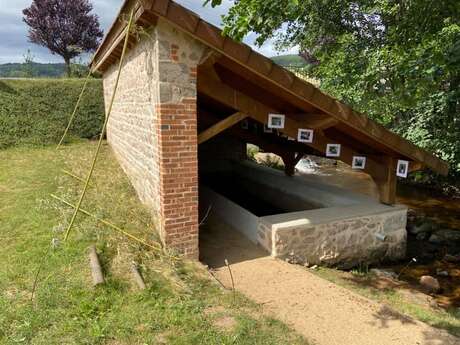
147, 11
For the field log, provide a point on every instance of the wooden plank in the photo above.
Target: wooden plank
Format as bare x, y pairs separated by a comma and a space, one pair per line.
315, 121
260, 63
281, 76
209, 33
220, 126
188, 19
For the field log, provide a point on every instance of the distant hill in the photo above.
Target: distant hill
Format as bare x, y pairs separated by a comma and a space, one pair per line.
56, 70
289, 60
38, 70
297, 65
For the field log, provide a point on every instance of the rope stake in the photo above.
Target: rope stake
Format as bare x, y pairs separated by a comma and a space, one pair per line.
99, 145
77, 105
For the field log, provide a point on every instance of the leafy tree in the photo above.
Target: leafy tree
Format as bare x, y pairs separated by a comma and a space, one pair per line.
28, 64
65, 27
396, 60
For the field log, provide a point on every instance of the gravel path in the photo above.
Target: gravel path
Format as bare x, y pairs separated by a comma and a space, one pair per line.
323, 312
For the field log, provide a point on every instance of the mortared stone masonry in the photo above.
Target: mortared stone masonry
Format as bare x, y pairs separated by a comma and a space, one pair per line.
153, 130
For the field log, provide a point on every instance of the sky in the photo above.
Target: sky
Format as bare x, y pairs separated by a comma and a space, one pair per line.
13, 31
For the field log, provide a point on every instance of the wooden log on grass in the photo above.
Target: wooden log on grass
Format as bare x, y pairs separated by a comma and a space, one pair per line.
96, 270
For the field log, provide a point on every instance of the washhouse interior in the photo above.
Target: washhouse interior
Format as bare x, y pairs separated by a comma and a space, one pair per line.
287, 215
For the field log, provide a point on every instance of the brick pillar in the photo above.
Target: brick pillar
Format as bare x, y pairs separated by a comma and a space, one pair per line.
179, 176
176, 111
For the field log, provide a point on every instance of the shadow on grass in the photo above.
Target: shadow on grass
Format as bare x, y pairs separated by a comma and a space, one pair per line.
8, 89
414, 301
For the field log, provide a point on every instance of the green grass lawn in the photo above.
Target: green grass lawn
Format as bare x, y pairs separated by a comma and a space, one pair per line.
181, 304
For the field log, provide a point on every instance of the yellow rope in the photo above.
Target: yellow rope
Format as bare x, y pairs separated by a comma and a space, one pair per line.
73, 175
74, 110
77, 208
109, 224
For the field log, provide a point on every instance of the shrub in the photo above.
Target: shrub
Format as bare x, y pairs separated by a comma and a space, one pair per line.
36, 111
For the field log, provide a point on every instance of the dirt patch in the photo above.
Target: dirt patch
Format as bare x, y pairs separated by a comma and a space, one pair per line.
225, 323
319, 310
221, 319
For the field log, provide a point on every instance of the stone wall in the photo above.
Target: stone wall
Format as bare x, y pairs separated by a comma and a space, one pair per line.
345, 242
153, 129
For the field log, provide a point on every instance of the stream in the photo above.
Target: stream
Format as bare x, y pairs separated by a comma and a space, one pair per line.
433, 227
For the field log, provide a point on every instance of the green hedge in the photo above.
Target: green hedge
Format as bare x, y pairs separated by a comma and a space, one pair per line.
36, 111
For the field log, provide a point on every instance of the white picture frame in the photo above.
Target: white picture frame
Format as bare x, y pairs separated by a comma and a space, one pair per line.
333, 150
245, 124
276, 121
359, 162
267, 130
305, 135
402, 168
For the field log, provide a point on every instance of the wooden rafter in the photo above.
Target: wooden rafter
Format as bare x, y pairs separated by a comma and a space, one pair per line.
383, 174
315, 121
258, 111
220, 126
268, 142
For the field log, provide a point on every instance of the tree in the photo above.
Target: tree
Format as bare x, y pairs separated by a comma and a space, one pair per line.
28, 66
65, 27
396, 60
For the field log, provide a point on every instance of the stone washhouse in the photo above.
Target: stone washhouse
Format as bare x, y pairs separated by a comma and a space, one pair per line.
188, 103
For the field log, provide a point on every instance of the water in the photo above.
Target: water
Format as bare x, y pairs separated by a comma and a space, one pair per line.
444, 213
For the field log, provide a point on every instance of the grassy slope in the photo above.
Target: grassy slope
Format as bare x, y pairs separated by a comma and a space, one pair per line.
180, 306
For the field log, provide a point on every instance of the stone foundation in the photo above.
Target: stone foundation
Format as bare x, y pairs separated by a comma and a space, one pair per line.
343, 237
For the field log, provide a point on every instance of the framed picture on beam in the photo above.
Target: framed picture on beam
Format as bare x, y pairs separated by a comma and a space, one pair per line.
333, 150
305, 135
359, 162
402, 169
276, 121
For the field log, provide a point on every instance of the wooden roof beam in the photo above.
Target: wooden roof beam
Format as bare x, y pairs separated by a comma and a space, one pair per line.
241, 102
316, 121
383, 174
220, 126
268, 142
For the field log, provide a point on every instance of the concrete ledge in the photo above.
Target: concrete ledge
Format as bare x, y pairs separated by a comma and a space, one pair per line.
348, 230
232, 213
326, 215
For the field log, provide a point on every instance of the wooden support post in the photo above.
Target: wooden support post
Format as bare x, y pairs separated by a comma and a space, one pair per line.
220, 127
96, 270
387, 184
290, 160
137, 277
